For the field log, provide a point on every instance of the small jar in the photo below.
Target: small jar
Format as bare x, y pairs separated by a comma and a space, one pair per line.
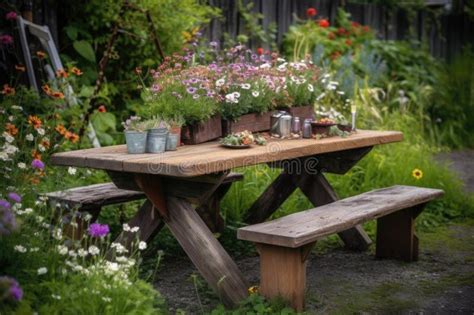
296, 125
307, 129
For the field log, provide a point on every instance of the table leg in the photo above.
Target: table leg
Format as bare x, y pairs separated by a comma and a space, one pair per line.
207, 254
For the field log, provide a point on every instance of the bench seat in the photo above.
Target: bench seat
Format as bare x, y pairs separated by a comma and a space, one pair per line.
284, 244
304, 227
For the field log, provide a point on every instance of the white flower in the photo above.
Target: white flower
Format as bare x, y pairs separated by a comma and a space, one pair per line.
8, 137
34, 249
310, 88
56, 297
17, 107
119, 248
9, 149
340, 92
255, 93
62, 249
82, 252
265, 66
112, 266
42, 271
73, 254
134, 229
41, 147
94, 250
106, 299
4, 156
141, 245
245, 86
30, 137
21, 165
220, 82
236, 94
126, 227
58, 234
20, 249
28, 211
40, 131
87, 217
121, 259
72, 170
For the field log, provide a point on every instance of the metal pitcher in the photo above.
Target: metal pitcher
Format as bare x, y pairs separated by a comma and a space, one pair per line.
280, 124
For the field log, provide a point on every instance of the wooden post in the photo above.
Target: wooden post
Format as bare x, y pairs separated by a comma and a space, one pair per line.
396, 237
283, 273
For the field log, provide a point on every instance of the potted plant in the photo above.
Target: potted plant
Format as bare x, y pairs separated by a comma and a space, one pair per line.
157, 135
135, 135
174, 135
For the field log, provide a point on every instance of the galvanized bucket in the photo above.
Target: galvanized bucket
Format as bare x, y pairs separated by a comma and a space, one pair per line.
156, 140
172, 141
136, 141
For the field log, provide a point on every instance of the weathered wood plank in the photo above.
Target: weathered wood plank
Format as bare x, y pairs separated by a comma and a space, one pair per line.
189, 161
305, 227
319, 192
93, 196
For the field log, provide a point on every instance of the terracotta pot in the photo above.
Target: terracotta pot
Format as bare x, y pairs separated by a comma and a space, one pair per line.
202, 132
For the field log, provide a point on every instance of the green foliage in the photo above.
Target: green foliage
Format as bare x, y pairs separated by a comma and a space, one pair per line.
256, 304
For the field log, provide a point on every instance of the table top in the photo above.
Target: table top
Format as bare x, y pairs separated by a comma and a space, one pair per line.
210, 157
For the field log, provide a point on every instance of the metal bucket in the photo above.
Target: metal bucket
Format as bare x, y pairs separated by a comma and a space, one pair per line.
136, 141
172, 141
156, 140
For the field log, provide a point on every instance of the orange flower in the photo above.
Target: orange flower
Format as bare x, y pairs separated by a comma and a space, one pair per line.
46, 89
57, 95
71, 136
138, 70
41, 54
11, 129
35, 155
35, 121
61, 73
76, 71
102, 109
20, 68
35, 180
60, 129
8, 90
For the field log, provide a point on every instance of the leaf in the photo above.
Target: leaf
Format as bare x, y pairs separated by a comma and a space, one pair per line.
71, 32
84, 49
103, 122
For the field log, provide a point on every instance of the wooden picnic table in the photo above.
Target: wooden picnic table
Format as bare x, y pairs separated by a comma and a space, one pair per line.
177, 182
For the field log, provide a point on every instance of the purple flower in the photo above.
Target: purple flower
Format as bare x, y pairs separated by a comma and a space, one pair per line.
14, 197
10, 288
4, 204
6, 39
155, 88
191, 90
98, 230
16, 292
37, 164
213, 44
11, 15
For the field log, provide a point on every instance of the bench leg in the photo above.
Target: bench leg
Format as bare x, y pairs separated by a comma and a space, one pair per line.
283, 273
396, 235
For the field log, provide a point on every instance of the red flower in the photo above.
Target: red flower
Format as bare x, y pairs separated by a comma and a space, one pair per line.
260, 51
355, 24
365, 28
102, 109
310, 12
341, 31
324, 23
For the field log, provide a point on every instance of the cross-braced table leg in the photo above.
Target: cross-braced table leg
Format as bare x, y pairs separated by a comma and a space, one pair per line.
306, 174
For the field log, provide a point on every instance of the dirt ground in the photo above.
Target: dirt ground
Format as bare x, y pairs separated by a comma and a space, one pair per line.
342, 282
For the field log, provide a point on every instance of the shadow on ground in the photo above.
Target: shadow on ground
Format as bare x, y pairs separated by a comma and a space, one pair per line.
341, 282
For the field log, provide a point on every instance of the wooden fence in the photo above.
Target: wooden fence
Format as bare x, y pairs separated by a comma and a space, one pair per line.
445, 40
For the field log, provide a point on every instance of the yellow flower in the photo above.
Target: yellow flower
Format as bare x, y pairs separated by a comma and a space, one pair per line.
253, 289
417, 173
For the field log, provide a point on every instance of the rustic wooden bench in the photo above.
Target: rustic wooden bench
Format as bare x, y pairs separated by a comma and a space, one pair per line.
284, 244
92, 198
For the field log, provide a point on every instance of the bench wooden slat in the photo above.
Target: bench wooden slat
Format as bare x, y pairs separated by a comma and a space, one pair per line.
94, 195
305, 227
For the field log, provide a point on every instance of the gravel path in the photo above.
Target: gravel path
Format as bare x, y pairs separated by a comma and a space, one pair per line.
462, 163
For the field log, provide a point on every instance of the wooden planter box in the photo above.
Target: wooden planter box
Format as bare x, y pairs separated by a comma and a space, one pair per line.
302, 112
202, 132
251, 122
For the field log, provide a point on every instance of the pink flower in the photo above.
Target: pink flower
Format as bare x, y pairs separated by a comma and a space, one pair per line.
11, 15
98, 230
6, 39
